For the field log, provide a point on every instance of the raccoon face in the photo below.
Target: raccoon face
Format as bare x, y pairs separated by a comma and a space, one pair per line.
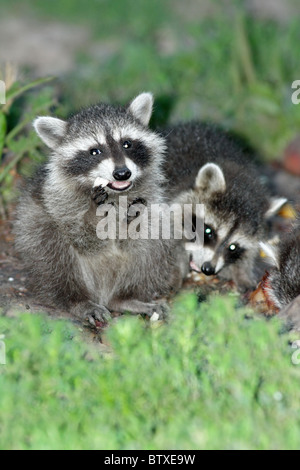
231, 233
222, 246
112, 144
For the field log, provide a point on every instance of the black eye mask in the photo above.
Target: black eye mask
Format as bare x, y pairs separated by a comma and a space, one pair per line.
233, 253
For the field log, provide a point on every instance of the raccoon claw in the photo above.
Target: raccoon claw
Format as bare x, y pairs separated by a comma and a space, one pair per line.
99, 195
163, 311
98, 317
160, 311
137, 200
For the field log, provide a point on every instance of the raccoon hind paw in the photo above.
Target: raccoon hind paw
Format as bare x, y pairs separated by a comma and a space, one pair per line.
98, 316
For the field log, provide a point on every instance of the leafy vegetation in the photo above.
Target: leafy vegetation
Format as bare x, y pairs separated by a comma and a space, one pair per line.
227, 67
212, 378
17, 140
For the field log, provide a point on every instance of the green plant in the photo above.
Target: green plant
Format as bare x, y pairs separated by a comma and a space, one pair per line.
264, 64
17, 140
215, 377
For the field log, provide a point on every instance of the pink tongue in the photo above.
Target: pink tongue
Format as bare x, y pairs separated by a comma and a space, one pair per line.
120, 184
194, 267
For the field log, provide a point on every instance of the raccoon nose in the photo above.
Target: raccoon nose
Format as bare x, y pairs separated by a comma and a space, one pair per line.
207, 269
122, 174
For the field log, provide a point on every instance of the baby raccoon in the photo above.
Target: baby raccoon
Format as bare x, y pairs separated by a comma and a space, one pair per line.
204, 166
282, 284
96, 155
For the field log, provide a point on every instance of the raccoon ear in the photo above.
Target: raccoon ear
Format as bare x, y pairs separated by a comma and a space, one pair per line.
50, 130
275, 205
141, 107
271, 252
210, 179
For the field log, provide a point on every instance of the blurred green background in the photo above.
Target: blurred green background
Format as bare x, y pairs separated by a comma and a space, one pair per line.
213, 378
217, 377
231, 62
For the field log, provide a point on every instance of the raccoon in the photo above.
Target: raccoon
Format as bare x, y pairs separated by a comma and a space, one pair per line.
96, 155
205, 166
282, 285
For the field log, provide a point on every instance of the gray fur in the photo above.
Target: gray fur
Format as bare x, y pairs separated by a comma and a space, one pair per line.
56, 216
284, 277
204, 166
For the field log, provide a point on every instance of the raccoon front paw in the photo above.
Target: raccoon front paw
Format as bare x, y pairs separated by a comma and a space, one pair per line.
133, 212
139, 200
97, 316
160, 310
99, 195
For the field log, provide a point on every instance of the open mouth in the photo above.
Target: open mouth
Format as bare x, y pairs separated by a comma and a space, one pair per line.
119, 185
194, 267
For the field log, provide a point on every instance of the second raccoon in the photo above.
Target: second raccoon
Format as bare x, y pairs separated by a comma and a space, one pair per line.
282, 284
205, 166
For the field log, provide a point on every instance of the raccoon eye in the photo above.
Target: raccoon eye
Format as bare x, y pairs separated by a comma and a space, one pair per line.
234, 253
208, 232
127, 144
95, 152
209, 235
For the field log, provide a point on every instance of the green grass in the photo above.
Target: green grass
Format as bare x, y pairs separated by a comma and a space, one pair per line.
211, 379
